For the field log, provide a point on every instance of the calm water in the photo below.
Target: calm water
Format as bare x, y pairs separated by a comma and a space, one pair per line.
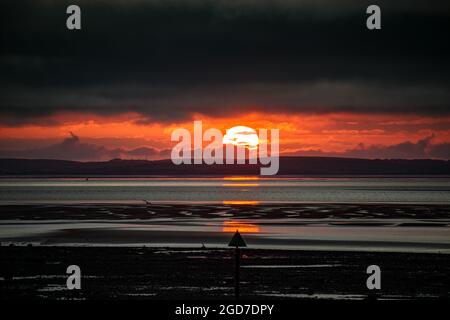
354, 189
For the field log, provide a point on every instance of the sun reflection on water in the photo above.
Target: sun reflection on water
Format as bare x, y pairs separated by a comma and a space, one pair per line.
241, 202
242, 227
241, 178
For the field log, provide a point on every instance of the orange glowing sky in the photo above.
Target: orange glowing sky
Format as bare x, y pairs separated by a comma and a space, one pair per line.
303, 134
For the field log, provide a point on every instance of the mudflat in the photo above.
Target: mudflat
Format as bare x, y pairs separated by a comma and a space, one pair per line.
180, 273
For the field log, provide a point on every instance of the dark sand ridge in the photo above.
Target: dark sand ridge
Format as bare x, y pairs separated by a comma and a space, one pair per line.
194, 239
267, 211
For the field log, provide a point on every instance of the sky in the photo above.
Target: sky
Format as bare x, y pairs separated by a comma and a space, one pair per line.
139, 69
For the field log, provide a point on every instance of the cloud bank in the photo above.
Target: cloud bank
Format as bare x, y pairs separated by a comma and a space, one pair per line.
72, 148
170, 59
422, 149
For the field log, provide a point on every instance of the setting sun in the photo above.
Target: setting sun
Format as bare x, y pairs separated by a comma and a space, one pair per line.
241, 136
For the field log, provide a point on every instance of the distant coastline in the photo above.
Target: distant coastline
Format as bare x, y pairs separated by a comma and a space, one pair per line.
288, 166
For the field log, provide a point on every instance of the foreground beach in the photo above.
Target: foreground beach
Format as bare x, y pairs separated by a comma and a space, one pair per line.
168, 273
179, 251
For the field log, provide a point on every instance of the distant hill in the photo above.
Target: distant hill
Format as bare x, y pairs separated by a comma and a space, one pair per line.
288, 166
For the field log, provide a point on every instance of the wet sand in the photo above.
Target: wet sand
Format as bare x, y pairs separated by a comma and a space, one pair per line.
368, 227
168, 273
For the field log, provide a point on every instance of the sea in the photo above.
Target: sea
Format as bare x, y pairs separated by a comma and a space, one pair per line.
356, 189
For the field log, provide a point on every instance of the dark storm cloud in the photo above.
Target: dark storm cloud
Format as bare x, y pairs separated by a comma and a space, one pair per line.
72, 148
422, 149
167, 59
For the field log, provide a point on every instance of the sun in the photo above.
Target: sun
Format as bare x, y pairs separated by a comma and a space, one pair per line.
241, 136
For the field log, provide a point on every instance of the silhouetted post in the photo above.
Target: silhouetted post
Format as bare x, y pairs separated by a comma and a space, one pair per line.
237, 241
237, 260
